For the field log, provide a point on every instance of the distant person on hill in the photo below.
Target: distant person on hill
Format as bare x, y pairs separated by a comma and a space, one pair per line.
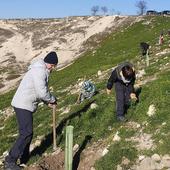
123, 76
32, 89
161, 39
145, 51
144, 48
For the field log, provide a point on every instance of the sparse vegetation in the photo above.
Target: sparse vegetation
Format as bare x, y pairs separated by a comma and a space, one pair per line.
12, 76
5, 34
1, 85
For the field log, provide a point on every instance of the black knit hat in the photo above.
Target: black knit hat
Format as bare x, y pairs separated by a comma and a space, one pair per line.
51, 58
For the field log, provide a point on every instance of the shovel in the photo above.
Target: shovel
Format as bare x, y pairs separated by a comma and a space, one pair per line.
54, 128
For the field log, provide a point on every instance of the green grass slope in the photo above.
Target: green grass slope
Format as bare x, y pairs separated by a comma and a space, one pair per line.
100, 123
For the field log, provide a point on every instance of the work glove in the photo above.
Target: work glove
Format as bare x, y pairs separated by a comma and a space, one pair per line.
133, 99
53, 100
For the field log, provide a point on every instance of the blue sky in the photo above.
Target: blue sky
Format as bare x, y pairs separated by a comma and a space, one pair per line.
63, 8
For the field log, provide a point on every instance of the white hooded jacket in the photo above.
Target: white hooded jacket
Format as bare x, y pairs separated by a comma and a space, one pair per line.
33, 88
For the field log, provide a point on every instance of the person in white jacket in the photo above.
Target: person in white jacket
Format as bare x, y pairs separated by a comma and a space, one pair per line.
32, 89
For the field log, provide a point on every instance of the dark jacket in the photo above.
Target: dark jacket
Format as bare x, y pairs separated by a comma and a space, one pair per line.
144, 47
116, 76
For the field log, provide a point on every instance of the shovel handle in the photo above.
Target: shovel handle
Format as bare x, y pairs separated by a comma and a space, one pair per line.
54, 127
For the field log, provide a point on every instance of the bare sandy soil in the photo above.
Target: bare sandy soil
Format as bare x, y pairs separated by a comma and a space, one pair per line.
22, 41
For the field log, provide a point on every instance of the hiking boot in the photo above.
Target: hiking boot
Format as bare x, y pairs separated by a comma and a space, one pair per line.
121, 119
11, 166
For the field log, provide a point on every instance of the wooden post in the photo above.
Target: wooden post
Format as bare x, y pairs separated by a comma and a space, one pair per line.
69, 148
54, 128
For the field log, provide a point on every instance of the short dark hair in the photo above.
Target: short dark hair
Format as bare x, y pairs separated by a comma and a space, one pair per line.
128, 72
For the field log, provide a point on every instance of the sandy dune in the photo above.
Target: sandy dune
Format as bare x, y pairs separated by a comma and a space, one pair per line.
21, 41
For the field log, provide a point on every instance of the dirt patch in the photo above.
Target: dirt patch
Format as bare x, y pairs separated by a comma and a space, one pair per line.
52, 162
90, 156
83, 159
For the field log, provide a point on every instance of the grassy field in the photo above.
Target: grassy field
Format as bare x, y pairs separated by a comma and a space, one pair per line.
100, 123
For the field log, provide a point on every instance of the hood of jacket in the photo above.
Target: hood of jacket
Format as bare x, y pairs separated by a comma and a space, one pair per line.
39, 63
119, 71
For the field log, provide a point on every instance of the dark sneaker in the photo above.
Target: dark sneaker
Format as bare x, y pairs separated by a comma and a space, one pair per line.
11, 166
121, 119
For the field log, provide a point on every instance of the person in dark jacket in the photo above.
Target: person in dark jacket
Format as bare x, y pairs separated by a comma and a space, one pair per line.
144, 48
32, 90
123, 76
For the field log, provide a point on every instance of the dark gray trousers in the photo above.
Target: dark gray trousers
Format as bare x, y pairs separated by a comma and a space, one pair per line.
21, 147
122, 98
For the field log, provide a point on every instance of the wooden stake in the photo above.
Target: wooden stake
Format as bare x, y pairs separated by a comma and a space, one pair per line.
54, 128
